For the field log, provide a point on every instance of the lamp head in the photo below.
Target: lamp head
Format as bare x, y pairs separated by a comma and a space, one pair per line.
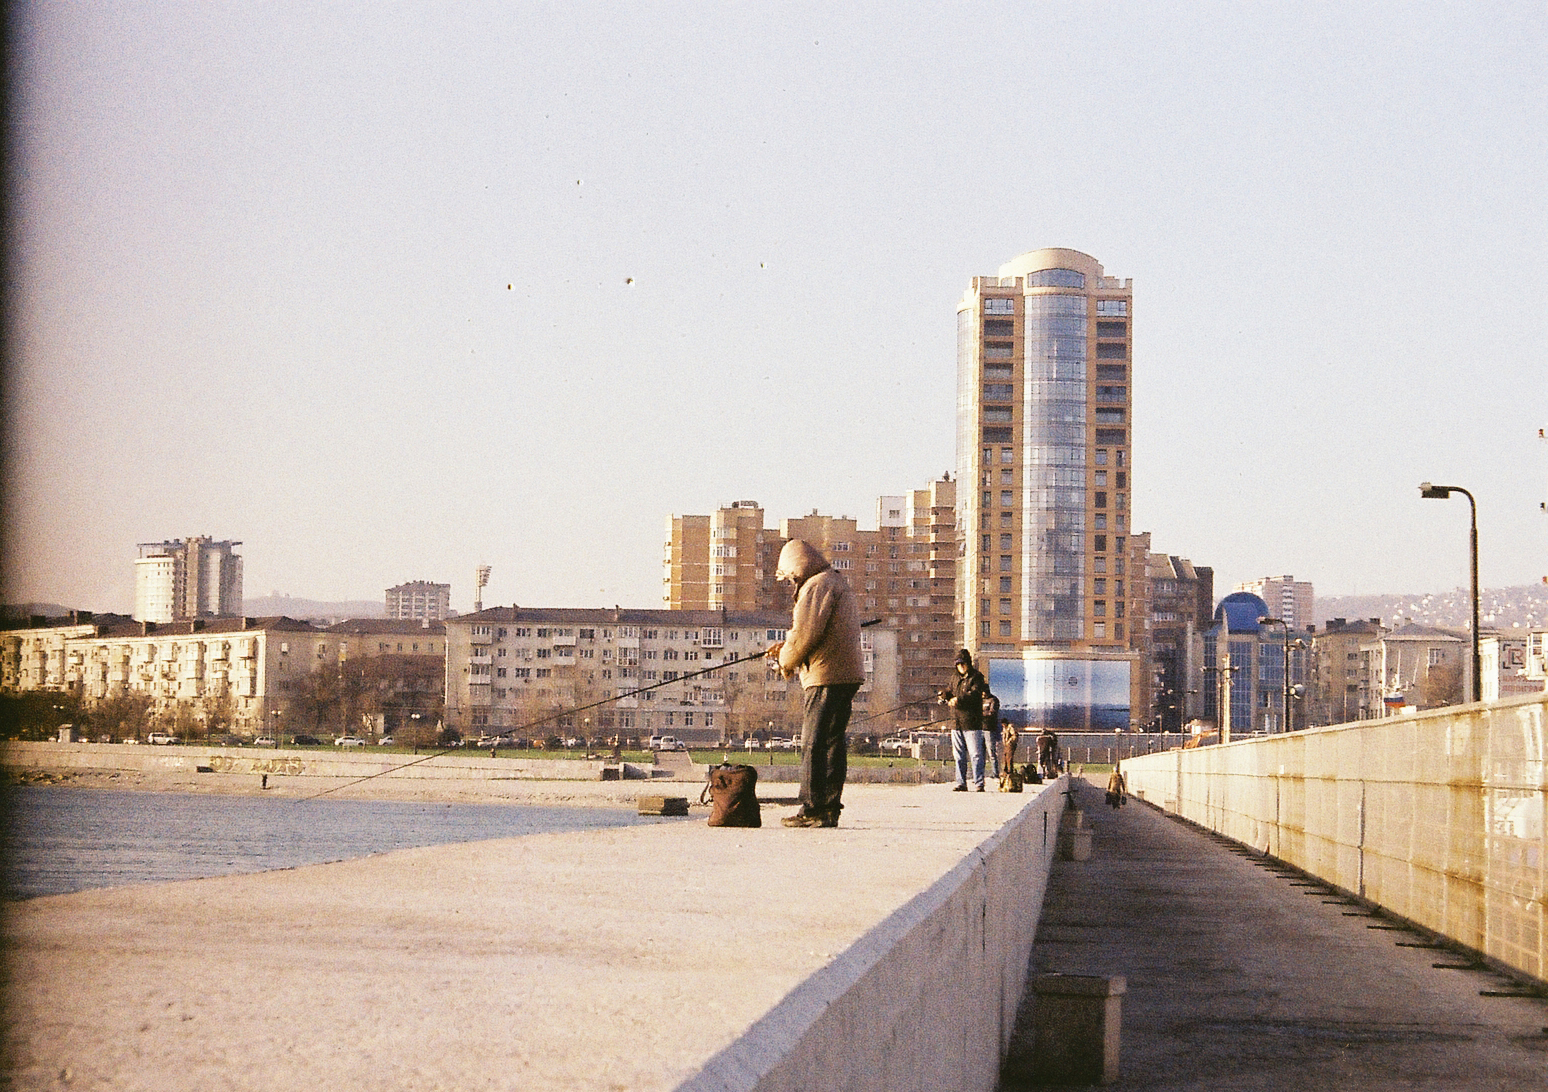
1434, 492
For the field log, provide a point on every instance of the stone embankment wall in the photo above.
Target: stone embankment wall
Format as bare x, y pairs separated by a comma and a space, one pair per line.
1437, 817
920, 1001
354, 762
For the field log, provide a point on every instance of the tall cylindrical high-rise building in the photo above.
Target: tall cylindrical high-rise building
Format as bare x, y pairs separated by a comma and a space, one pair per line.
1044, 461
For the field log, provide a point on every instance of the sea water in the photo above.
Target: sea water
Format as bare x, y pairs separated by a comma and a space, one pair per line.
61, 839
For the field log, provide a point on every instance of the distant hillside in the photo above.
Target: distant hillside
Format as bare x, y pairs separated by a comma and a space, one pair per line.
1524, 607
313, 609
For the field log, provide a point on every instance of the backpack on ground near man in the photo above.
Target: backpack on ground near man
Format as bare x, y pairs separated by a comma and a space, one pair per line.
732, 793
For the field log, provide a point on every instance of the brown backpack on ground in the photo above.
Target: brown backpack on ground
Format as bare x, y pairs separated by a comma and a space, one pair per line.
732, 793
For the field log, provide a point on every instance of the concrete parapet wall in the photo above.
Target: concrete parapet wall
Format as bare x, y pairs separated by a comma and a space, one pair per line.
920, 1000
1438, 817
355, 762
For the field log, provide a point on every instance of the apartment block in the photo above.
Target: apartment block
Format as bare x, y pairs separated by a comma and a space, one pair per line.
903, 571
1181, 599
1339, 691
401, 663
1288, 599
235, 670
419, 600
596, 673
199, 578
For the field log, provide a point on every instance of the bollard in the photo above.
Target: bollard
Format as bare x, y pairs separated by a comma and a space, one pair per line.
1076, 1020
1074, 836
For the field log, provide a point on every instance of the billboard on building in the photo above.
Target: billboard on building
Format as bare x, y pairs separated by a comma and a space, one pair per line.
1067, 695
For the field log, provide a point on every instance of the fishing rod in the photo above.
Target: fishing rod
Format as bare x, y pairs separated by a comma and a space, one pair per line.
762, 654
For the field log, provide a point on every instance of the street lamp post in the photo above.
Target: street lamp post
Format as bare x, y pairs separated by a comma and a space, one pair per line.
1441, 492
1284, 718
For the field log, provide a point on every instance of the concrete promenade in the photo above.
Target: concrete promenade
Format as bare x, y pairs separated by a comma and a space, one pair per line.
1246, 976
655, 957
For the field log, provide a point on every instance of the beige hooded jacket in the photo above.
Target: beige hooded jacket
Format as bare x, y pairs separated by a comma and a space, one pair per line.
824, 639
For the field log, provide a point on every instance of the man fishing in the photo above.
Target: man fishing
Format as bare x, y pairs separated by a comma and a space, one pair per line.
823, 645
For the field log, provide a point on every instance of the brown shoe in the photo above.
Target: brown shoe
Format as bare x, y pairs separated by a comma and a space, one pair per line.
801, 819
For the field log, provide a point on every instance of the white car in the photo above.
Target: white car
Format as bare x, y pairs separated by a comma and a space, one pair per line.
348, 741
667, 743
160, 738
264, 741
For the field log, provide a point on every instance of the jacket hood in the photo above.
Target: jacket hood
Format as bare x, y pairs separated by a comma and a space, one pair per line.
964, 657
800, 560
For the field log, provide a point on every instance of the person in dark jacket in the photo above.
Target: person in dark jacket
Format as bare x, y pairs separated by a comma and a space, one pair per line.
823, 646
993, 737
965, 695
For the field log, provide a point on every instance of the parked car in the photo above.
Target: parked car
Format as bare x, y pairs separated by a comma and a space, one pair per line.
160, 738
349, 741
667, 743
385, 741
306, 741
895, 745
264, 741
780, 743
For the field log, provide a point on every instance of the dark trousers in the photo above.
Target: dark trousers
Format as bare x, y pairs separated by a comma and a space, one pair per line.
824, 755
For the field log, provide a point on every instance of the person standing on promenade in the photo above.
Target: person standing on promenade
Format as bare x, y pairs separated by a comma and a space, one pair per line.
1048, 754
966, 698
823, 646
992, 734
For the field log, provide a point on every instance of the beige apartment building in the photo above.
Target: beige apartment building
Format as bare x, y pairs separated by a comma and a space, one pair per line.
238, 671
597, 674
1291, 600
903, 572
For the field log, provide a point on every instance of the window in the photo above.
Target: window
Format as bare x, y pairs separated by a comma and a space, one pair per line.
1112, 394
544, 631
1112, 371
1005, 584
998, 414
1112, 329
1101, 499
1005, 606
1101, 458
999, 328
1110, 417
1099, 630
1007, 498
1005, 563
1112, 307
1005, 628
1123, 479
1005, 542
997, 435
1112, 350
1110, 435
1007, 477
999, 392
1101, 543
991, 371
1099, 586
1101, 521
997, 305
997, 350
1007, 454
1056, 278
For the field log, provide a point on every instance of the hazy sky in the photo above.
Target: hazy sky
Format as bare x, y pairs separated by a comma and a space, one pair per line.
388, 290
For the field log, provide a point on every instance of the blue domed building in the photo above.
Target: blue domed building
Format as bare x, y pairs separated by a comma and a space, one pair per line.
1257, 666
